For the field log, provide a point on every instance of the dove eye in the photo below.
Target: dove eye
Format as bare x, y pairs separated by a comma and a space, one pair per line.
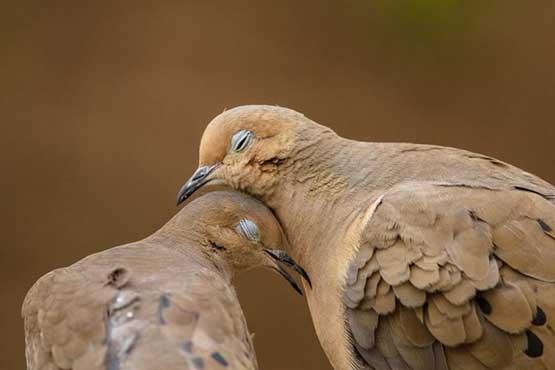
241, 140
248, 229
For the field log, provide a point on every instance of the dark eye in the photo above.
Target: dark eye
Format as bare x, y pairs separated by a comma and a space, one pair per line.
241, 140
248, 229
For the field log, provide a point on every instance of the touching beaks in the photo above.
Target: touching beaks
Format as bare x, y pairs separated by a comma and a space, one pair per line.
199, 178
283, 257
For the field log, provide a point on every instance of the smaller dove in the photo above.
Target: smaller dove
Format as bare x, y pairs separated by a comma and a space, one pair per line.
165, 302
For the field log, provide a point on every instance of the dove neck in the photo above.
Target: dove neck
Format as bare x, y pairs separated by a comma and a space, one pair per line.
319, 197
187, 235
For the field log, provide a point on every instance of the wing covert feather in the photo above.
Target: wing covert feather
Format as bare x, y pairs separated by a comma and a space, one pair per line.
459, 267
95, 317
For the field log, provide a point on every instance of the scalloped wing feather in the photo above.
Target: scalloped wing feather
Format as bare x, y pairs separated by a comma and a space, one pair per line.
433, 249
79, 318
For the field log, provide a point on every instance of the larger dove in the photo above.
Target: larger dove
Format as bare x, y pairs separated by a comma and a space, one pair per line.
421, 257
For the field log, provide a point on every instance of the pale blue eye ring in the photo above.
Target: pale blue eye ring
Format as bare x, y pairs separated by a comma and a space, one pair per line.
241, 140
249, 230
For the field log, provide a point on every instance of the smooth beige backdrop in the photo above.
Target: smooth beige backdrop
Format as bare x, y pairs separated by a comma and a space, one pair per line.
102, 104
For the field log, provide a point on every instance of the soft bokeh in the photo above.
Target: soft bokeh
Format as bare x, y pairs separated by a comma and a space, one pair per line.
102, 105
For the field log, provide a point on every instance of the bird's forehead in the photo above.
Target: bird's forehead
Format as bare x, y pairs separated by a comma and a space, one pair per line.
231, 207
214, 143
264, 121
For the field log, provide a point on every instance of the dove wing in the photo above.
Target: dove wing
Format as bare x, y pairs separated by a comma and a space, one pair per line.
120, 310
449, 276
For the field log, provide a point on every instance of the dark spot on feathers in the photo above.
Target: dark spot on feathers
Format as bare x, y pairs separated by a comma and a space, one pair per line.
545, 227
484, 305
475, 217
217, 356
271, 164
546, 196
275, 161
216, 246
162, 305
497, 163
540, 318
198, 363
535, 345
118, 277
421, 149
187, 347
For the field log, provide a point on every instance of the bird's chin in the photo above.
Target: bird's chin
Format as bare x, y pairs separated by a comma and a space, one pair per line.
216, 182
214, 185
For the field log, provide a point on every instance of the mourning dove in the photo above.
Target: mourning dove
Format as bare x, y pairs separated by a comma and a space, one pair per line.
421, 257
164, 302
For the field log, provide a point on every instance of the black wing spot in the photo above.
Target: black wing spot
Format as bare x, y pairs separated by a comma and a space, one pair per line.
198, 363
529, 190
162, 305
118, 277
475, 217
540, 318
545, 227
217, 356
484, 305
187, 346
535, 345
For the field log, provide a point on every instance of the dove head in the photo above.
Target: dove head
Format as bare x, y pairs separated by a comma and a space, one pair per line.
238, 230
250, 148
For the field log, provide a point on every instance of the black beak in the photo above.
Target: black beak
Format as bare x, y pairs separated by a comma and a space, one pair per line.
283, 257
199, 178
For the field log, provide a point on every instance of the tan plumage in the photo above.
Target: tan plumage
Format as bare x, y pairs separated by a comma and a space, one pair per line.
165, 302
421, 257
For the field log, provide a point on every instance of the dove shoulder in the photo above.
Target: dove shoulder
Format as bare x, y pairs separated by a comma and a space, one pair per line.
374, 166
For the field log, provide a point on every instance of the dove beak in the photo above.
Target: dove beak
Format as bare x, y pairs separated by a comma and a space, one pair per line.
283, 257
200, 178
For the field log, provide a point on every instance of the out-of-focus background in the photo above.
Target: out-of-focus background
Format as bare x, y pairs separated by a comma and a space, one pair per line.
102, 105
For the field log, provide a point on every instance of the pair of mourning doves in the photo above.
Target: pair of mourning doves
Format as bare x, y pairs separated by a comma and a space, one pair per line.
165, 302
421, 257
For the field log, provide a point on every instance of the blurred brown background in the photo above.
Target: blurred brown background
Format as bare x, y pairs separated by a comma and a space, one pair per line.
102, 105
